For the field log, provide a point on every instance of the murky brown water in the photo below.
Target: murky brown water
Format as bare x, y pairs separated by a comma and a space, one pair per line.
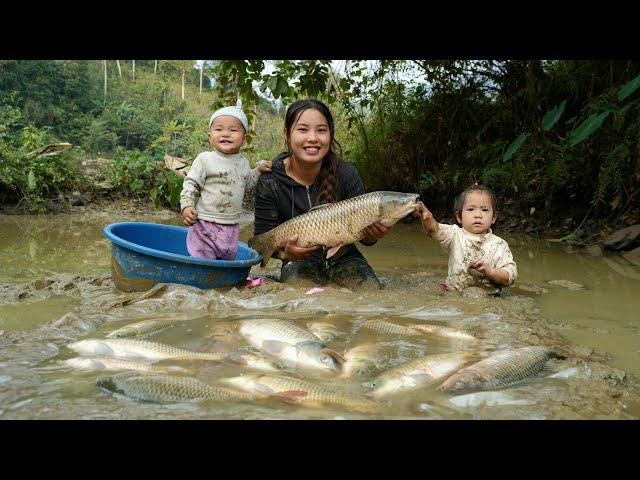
53, 265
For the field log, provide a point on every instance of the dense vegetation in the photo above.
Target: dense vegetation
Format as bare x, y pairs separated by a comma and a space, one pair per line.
560, 138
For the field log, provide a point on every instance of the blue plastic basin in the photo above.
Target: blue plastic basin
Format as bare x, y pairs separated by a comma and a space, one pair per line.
143, 254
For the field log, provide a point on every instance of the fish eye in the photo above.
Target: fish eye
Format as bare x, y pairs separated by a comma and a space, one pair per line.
326, 359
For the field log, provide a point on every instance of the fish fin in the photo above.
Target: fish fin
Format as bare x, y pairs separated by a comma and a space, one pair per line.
339, 358
290, 396
318, 207
236, 358
264, 245
332, 251
276, 347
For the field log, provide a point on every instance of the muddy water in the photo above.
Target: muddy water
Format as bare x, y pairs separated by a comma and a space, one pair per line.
55, 288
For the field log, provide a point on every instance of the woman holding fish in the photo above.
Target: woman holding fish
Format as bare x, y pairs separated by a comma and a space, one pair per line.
307, 177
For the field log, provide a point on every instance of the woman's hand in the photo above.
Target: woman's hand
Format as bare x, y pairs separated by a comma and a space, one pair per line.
374, 232
293, 252
189, 216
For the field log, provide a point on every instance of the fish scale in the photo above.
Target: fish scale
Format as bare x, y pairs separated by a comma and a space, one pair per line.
166, 388
501, 369
338, 223
111, 363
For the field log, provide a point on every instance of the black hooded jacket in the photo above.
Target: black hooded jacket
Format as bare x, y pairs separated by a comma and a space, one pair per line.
280, 198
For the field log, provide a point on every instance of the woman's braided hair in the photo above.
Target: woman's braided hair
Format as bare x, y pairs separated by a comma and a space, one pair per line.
327, 176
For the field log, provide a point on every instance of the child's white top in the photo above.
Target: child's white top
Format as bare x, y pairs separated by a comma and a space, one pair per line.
216, 184
464, 247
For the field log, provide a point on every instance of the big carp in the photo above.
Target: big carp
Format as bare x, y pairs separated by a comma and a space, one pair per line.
134, 348
336, 224
500, 369
419, 372
302, 392
294, 345
167, 388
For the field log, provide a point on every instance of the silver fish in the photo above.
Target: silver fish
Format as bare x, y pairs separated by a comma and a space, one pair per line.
254, 361
500, 369
294, 345
167, 388
389, 328
325, 331
141, 328
419, 372
336, 224
443, 331
110, 363
134, 348
296, 391
364, 360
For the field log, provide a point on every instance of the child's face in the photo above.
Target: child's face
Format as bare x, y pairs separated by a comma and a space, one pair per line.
310, 138
477, 214
227, 134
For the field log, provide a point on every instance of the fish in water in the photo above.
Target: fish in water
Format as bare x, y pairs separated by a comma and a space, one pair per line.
500, 369
168, 388
294, 345
135, 348
389, 328
443, 331
141, 328
254, 361
111, 363
301, 392
325, 331
336, 224
364, 360
419, 372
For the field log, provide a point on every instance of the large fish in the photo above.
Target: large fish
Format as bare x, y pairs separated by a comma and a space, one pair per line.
419, 372
136, 349
111, 363
294, 345
167, 388
296, 391
364, 360
336, 224
500, 369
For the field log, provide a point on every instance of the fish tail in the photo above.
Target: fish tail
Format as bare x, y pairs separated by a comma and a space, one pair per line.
264, 245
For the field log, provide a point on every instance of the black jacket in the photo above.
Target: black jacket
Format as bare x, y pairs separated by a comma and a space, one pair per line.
280, 198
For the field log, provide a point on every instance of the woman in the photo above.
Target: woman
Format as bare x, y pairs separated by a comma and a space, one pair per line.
308, 174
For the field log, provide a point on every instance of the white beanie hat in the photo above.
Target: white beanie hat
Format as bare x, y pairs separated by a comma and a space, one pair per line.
233, 112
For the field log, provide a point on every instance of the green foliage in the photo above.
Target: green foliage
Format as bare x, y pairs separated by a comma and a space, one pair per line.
552, 116
629, 88
515, 145
586, 128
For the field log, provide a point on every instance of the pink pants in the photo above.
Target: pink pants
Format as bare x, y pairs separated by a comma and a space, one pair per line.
213, 240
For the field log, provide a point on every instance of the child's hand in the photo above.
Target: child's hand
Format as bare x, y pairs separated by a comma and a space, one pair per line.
264, 166
482, 267
189, 216
428, 222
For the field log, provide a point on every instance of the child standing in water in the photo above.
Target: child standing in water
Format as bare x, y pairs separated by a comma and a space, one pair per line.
477, 257
212, 192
